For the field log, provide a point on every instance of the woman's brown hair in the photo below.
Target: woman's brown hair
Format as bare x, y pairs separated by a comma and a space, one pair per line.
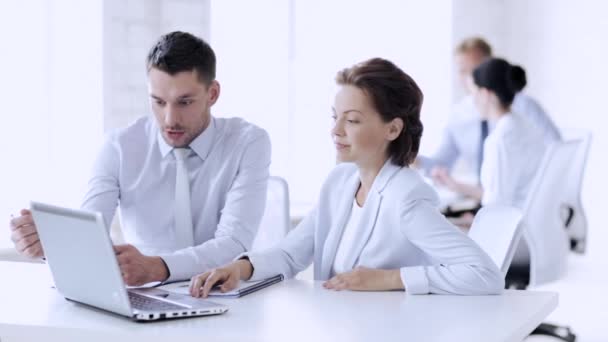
394, 94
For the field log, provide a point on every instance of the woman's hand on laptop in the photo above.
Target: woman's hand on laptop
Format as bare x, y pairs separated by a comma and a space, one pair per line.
227, 278
25, 235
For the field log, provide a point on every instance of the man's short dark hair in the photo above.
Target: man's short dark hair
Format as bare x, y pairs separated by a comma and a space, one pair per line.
181, 51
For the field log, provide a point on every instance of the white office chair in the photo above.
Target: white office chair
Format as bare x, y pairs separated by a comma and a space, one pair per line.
276, 221
573, 213
544, 237
497, 229
544, 234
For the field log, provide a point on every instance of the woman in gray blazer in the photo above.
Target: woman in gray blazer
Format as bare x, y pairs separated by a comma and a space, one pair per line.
376, 225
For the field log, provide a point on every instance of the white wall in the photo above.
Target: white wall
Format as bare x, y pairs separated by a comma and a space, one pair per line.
483, 18
251, 45
130, 28
52, 101
277, 61
26, 97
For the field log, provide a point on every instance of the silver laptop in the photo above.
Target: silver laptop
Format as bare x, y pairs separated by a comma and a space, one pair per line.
79, 251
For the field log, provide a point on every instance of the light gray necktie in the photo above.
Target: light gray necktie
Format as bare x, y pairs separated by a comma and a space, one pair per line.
183, 213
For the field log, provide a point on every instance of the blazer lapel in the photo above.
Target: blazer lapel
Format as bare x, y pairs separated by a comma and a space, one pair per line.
343, 208
371, 208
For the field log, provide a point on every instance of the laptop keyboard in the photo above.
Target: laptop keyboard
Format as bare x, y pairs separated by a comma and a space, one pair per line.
144, 303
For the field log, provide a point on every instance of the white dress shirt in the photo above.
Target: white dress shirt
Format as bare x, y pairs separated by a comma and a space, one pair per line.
400, 227
349, 235
228, 175
532, 110
461, 137
513, 153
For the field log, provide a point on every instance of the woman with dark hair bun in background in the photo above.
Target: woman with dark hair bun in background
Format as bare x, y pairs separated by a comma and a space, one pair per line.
465, 132
532, 110
515, 148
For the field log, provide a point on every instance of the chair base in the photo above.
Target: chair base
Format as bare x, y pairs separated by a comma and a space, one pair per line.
560, 332
578, 246
518, 277
576, 225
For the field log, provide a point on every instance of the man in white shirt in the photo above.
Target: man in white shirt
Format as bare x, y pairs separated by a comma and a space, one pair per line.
465, 131
191, 188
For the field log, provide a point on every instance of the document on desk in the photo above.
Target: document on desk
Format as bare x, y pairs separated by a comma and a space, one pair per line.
244, 288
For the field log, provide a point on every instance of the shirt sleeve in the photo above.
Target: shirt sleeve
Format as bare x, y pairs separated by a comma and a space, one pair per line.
103, 191
445, 156
239, 220
537, 114
459, 265
496, 178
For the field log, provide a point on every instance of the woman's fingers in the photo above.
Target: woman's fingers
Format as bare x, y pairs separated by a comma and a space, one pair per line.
216, 277
196, 283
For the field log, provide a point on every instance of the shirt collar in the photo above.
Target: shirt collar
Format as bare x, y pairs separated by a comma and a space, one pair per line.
201, 145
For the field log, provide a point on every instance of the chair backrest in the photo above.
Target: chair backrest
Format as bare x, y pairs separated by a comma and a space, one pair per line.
544, 233
574, 216
497, 229
276, 221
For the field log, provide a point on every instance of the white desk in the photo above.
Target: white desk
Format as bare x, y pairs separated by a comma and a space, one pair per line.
294, 310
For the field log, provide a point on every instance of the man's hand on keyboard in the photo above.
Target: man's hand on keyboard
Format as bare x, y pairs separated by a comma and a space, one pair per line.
138, 269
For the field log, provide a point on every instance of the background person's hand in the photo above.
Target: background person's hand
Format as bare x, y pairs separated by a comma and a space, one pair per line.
441, 176
25, 235
226, 277
138, 269
366, 279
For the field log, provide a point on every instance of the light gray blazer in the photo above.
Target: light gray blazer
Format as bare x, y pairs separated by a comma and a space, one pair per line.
400, 227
